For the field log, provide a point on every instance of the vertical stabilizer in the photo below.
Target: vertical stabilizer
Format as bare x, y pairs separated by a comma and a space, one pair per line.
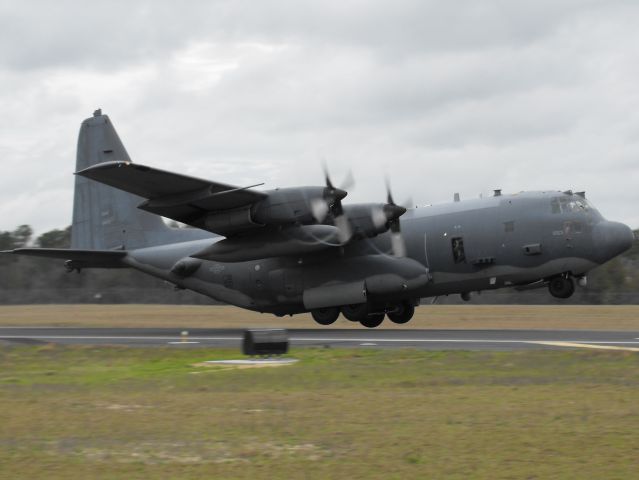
104, 217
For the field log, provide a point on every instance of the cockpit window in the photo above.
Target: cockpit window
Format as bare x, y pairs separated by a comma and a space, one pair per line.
576, 205
563, 202
568, 205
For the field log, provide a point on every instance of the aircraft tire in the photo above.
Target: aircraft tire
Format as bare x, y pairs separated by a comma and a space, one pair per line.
373, 320
561, 287
325, 316
403, 313
355, 313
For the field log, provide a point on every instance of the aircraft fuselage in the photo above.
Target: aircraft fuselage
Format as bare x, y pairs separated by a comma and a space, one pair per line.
457, 247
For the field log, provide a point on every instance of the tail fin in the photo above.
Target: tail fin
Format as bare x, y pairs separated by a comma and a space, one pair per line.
106, 218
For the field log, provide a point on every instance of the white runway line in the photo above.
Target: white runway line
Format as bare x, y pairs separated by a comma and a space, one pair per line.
405, 340
450, 340
94, 337
176, 340
293, 339
588, 345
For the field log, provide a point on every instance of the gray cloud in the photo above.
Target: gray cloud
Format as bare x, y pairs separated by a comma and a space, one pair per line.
40, 34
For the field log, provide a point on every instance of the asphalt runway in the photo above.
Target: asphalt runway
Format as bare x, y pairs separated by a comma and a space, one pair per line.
422, 339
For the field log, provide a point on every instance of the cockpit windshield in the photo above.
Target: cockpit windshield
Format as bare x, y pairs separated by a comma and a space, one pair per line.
572, 204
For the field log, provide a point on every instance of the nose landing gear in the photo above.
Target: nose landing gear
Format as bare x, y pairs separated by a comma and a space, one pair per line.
561, 287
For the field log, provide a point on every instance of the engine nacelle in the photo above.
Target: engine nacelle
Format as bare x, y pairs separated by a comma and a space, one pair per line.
283, 206
366, 219
288, 205
229, 222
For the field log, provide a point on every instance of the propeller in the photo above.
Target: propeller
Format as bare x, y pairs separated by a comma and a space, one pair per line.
331, 202
384, 216
389, 215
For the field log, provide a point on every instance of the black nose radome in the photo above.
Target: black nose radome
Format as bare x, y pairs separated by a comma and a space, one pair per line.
612, 239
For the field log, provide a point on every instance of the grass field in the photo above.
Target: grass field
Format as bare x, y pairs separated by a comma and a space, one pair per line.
114, 413
588, 317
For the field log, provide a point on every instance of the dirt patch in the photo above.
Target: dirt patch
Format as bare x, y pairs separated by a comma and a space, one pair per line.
466, 317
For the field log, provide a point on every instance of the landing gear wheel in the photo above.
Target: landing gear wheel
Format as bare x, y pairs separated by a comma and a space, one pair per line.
355, 313
561, 287
372, 321
325, 316
402, 314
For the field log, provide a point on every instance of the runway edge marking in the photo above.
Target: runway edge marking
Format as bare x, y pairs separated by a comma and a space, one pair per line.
585, 345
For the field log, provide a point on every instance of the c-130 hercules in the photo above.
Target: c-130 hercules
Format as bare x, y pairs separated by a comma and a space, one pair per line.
294, 250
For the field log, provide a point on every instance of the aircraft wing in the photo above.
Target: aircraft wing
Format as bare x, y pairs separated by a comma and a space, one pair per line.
179, 197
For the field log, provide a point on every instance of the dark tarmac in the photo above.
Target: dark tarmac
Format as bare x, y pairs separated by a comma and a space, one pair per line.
378, 338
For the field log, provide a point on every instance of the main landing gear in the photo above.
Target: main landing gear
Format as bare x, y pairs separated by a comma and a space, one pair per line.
367, 315
325, 316
561, 287
402, 313
362, 313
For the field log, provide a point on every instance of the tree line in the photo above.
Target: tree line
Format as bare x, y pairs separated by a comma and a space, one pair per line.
25, 280
39, 280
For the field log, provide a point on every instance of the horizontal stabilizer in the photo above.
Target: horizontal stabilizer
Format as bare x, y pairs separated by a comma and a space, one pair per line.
77, 258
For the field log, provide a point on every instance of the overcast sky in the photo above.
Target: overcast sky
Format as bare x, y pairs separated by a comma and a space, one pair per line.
444, 96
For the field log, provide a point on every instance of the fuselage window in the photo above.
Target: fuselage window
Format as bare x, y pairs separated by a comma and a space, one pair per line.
509, 226
458, 249
554, 204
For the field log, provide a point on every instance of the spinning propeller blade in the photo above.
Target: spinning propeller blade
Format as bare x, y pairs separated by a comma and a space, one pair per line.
332, 203
319, 208
393, 212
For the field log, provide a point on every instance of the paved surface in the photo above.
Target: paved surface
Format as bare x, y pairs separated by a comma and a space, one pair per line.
425, 339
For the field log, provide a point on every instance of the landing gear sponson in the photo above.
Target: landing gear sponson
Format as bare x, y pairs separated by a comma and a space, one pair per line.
367, 315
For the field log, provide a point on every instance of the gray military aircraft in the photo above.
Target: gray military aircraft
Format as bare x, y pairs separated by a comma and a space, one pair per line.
293, 250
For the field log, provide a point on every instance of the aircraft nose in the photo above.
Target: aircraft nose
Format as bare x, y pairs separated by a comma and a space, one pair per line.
612, 239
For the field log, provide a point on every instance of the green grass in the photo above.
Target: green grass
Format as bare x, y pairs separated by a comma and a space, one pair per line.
81, 412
